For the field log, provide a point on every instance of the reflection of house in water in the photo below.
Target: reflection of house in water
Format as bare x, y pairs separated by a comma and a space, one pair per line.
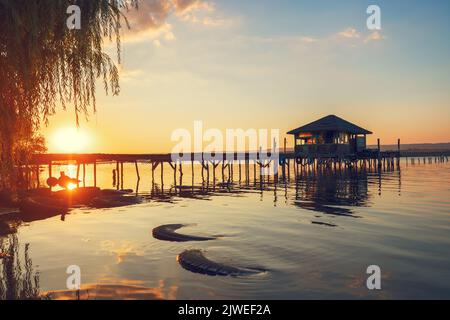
332, 193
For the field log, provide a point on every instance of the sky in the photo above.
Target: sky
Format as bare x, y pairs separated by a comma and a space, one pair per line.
260, 64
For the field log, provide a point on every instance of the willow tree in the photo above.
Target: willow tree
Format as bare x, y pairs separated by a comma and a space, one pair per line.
18, 278
44, 65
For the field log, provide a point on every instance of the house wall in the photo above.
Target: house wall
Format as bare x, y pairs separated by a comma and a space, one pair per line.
323, 150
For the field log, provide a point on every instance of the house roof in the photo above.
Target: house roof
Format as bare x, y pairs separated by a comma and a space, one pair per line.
330, 123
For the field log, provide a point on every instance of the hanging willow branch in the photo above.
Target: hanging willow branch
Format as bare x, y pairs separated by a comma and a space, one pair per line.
44, 64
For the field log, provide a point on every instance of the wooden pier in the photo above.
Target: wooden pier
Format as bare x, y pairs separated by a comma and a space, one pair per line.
328, 143
244, 164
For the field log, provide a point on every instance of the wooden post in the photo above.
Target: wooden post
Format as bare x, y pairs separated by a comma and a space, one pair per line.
78, 174
260, 165
231, 171
137, 171
379, 153
121, 175
240, 175
247, 169
153, 172
398, 155
295, 168
288, 162
84, 174
203, 168
285, 159
276, 162
174, 167
50, 169
95, 173
223, 170
162, 176
118, 174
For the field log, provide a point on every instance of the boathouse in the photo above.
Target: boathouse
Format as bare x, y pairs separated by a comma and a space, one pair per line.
329, 137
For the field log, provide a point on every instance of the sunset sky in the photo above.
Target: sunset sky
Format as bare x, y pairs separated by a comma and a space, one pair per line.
273, 64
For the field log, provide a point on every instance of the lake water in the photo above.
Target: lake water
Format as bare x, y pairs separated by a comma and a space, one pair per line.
315, 237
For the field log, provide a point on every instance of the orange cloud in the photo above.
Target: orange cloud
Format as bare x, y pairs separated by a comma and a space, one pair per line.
184, 6
309, 39
150, 20
350, 33
375, 36
152, 14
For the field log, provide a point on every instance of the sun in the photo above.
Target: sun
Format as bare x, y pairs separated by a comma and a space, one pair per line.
70, 140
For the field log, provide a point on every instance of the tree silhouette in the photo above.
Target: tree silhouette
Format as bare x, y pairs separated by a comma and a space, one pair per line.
44, 64
18, 280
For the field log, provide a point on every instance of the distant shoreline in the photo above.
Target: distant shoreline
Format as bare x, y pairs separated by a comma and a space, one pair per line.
426, 147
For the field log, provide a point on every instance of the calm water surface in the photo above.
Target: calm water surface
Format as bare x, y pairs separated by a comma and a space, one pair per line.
315, 237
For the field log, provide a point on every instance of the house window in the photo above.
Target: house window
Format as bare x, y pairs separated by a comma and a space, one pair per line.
304, 138
342, 138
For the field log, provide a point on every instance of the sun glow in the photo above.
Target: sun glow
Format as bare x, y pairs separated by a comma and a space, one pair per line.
71, 186
70, 140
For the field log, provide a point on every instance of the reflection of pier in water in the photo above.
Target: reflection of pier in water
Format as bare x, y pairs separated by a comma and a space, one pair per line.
325, 191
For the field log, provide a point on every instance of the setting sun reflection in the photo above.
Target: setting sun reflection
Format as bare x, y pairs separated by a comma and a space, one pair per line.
71, 186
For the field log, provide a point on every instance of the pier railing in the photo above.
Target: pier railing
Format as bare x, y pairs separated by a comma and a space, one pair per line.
331, 150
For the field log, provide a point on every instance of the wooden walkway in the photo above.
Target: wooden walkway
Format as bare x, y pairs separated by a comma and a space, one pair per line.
226, 160
44, 159
287, 161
